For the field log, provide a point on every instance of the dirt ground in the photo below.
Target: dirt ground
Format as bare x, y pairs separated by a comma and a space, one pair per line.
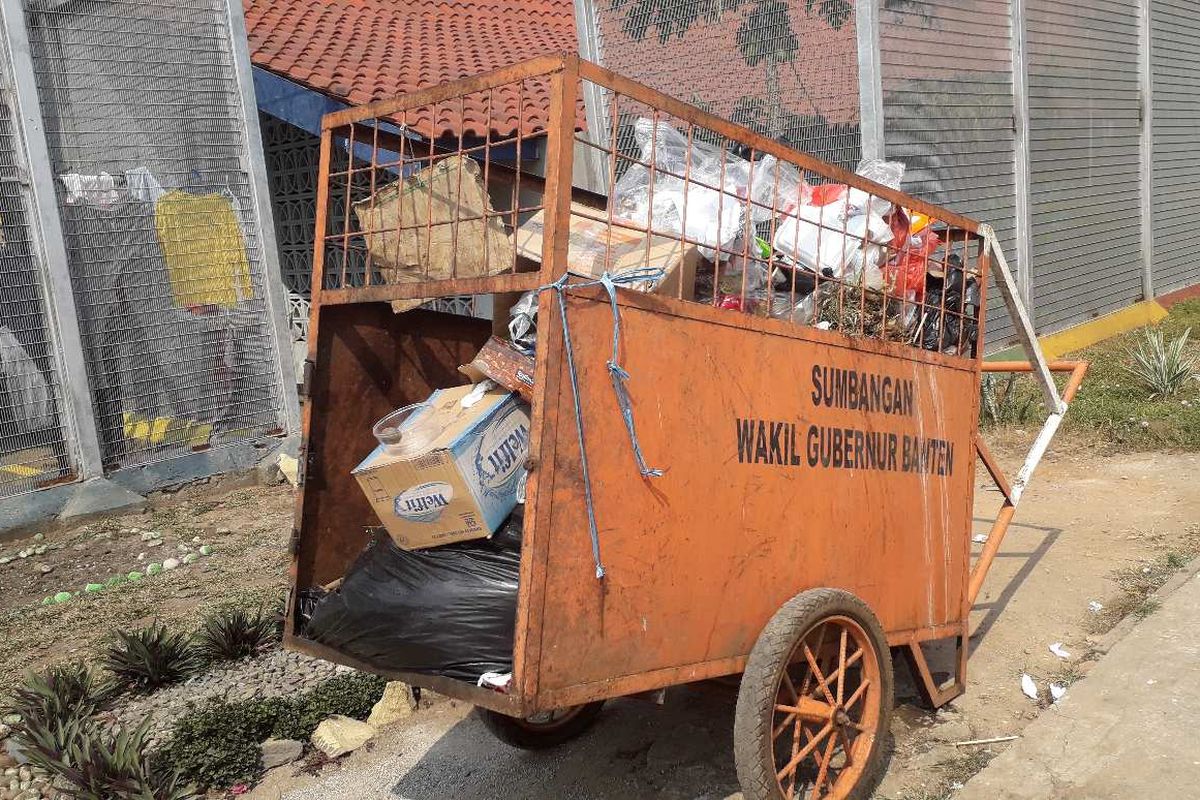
247, 528
1088, 515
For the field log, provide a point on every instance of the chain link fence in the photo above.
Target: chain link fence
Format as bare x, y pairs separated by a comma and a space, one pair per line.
144, 122
786, 69
33, 432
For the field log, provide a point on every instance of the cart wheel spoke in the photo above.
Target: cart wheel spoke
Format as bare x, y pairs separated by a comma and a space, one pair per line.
791, 687
858, 694
803, 752
841, 672
820, 676
823, 770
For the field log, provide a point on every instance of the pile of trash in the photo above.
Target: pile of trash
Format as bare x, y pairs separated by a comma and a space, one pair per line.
773, 245
436, 589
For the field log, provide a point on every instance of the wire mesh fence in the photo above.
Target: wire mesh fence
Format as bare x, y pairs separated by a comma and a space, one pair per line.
787, 69
144, 122
33, 431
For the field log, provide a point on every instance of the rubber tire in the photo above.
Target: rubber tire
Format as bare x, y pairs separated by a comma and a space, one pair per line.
517, 733
753, 749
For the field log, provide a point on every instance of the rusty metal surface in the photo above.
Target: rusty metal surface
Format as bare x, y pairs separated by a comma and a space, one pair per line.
699, 559
370, 361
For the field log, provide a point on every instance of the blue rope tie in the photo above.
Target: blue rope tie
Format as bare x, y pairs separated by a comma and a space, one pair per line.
619, 377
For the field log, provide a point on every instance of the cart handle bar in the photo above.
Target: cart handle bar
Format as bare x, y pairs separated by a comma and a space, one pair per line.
1013, 493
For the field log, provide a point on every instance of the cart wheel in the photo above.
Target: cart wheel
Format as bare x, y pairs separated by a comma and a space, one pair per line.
540, 731
815, 701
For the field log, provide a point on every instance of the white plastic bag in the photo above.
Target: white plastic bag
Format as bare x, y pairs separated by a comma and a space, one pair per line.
33, 408
707, 208
815, 239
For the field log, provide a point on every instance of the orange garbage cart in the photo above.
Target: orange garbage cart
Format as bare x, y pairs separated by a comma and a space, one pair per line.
772, 478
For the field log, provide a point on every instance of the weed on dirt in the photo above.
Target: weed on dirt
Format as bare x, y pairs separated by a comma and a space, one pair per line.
955, 772
246, 568
1138, 583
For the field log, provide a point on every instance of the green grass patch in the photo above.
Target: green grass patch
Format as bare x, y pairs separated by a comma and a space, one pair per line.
1113, 404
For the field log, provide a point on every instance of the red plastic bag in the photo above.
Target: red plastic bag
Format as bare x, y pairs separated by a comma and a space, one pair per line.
906, 273
826, 193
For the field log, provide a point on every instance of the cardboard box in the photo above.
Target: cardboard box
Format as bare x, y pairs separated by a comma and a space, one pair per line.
588, 251
501, 362
461, 485
434, 225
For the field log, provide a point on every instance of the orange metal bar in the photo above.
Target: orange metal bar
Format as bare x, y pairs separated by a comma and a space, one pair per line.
989, 461
1078, 370
527, 648
508, 282
990, 548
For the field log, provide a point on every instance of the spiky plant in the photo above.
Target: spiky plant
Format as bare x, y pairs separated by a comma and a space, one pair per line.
229, 634
1163, 367
60, 692
98, 764
144, 660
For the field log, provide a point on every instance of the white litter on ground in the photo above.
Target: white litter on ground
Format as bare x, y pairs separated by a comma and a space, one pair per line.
1028, 686
1058, 650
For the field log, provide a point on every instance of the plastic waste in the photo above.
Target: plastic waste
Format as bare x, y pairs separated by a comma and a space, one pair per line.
707, 208
447, 610
1028, 687
836, 240
960, 298
522, 324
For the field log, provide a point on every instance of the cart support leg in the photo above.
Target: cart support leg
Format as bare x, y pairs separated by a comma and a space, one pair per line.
936, 696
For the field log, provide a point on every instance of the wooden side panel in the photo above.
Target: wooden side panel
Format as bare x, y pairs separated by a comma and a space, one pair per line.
699, 559
371, 362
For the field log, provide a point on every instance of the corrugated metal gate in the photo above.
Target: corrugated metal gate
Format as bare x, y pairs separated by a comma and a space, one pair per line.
1085, 162
1175, 73
946, 70
144, 122
33, 430
785, 68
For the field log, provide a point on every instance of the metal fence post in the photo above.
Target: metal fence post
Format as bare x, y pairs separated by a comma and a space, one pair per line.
593, 171
870, 78
1022, 182
50, 247
1146, 107
254, 161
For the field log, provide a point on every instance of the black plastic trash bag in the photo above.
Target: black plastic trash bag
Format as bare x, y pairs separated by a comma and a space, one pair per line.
961, 324
447, 610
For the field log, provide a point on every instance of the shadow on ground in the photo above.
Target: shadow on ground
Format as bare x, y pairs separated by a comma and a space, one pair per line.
682, 749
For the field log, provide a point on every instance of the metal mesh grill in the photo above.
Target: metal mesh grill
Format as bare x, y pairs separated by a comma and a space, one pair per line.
948, 100
143, 117
788, 70
32, 432
292, 156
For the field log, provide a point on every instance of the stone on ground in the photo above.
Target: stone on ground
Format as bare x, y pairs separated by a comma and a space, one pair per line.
396, 704
278, 752
339, 735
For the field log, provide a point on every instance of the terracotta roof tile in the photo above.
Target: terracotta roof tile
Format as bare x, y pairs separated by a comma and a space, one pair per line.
364, 50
